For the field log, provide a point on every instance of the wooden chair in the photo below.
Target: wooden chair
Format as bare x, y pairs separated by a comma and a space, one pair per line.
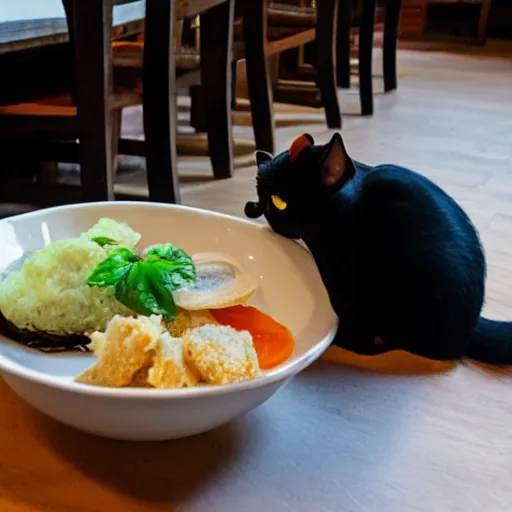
262, 31
359, 22
249, 43
362, 20
92, 113
210, 66
287, 25
88, 118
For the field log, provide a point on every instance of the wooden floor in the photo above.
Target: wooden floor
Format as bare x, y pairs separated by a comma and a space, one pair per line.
336, 439
441, 442
451, 120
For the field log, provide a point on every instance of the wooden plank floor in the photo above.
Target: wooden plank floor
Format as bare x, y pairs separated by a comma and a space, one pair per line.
440, 442
451, 119
336, 439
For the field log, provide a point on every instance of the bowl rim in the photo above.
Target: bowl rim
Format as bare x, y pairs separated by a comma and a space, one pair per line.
279, 373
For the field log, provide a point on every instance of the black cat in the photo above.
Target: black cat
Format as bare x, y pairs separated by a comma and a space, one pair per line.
401, 261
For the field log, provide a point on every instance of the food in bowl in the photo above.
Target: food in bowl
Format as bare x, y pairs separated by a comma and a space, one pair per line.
154, 318
49, 295
150, 356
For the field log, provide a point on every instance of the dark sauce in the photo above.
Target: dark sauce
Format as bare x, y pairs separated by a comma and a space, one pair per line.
44, 341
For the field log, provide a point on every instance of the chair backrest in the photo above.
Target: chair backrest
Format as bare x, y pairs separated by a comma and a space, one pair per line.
69, 9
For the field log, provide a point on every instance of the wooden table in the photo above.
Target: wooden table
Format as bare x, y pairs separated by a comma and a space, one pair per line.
31, 23
28, 24
333, 440
46, 25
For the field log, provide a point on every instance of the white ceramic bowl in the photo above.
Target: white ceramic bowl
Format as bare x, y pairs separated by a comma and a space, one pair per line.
290, 290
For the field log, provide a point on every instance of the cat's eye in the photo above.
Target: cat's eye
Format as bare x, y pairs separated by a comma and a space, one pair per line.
279, 203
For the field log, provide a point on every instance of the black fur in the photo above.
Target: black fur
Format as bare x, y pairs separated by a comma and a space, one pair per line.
401, 261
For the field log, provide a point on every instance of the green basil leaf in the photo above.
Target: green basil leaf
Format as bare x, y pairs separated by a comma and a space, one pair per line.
162, 291
179, 276
130, 287
167, 252
147, 290
176, 262
104, 240
112, 269
123, 254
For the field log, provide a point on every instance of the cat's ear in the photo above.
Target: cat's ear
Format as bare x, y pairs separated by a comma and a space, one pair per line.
336, 161
262, 156
299, 143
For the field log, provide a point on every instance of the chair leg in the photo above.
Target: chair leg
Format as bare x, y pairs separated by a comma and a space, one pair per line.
254, 14
216, 42
197, 109
94, 88
393, 8
117, 120
159, 102
343, 43
366, 57
482, 22
327, 20
234, 74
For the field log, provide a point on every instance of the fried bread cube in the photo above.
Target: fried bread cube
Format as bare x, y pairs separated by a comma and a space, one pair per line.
140, 352
220, 354
140, 378
187, 320
127, 345
169, 368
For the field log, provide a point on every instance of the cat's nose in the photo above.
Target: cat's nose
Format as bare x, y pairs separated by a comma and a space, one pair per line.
253, 210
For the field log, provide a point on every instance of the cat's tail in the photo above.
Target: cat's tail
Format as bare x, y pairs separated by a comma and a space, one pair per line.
491, 342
